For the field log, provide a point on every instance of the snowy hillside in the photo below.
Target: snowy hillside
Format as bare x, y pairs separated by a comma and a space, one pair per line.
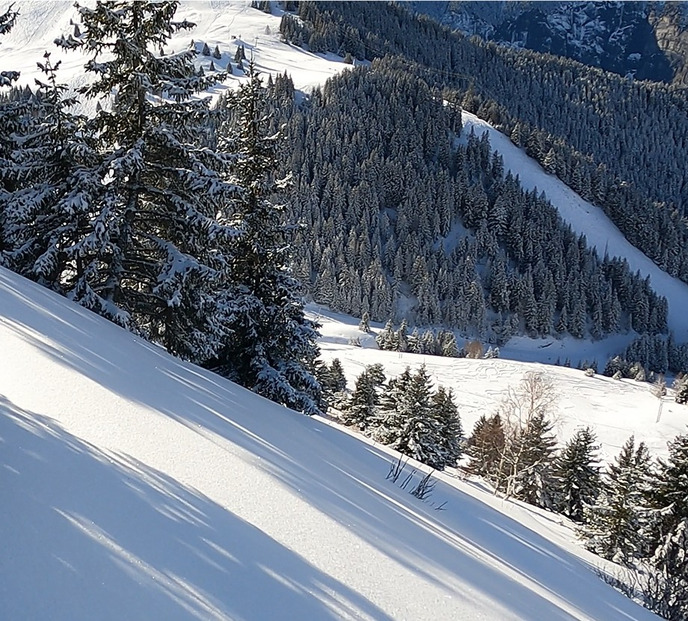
223, 23
615, 409
135, 486
586, 219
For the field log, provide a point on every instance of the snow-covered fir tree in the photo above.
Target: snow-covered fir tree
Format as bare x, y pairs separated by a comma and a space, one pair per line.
13, 114
365, 399
670, 489
616, 524
668, 583
451, 440
533, 451
271, 345
576, 475
58, 180
155, 255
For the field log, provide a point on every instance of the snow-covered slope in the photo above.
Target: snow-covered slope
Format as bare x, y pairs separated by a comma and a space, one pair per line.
225, 23
135, 486
589, 220
615, 409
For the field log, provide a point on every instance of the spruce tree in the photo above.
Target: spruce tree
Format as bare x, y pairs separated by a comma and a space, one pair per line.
364, 324
271, 346
155, 255
670, 495
410, 426
363, 406
13, 115
668, 584
446, 413
485, 448
576, 475
616, 523
534, 447
50, 209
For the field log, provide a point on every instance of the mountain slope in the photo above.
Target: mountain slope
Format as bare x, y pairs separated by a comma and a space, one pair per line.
136, 486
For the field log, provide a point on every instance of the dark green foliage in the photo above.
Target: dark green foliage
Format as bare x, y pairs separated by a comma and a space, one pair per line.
449, 233
547, 104
576, 476
670, 492
270, 346
668, 584
485, 448
616, 525
365, 400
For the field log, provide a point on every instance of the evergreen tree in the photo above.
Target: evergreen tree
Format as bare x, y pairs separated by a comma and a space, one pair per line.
670, 495
154, 256
270, 347
49, 210
485, 448
668, 586
365, 400
446, 414
387, 338
576, 475
533, 449
13, 115
364, 325
616, 524
411, 428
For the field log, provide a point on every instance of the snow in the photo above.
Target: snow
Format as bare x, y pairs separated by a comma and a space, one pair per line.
225, 23
615, 409
136, 486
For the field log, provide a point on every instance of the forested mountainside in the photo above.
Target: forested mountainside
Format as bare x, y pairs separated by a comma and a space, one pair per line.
403, 221
621, 144
643, 40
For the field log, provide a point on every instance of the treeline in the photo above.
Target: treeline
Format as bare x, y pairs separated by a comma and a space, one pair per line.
633, 512
404, 222
619, 143
405, 413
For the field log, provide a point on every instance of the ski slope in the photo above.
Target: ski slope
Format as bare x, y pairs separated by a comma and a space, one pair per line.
223, 23
135, 486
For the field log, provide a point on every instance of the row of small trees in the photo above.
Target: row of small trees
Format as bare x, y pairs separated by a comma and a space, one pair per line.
635, 512
441, 343
407, 414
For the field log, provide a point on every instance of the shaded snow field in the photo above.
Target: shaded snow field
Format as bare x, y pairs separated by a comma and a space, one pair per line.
135, 486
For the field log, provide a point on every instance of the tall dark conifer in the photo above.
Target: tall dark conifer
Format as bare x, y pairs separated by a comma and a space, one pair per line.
271, 347
155, 256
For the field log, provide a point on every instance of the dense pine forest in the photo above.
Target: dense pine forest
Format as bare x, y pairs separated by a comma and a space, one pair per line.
619, 143
409, 218
202, 228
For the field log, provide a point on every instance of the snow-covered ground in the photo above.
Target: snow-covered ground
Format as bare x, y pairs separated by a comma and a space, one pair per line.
135, 486
615, 409
223, 23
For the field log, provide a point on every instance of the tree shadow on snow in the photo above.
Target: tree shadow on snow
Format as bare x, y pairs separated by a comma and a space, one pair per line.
90, 535
469, 543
